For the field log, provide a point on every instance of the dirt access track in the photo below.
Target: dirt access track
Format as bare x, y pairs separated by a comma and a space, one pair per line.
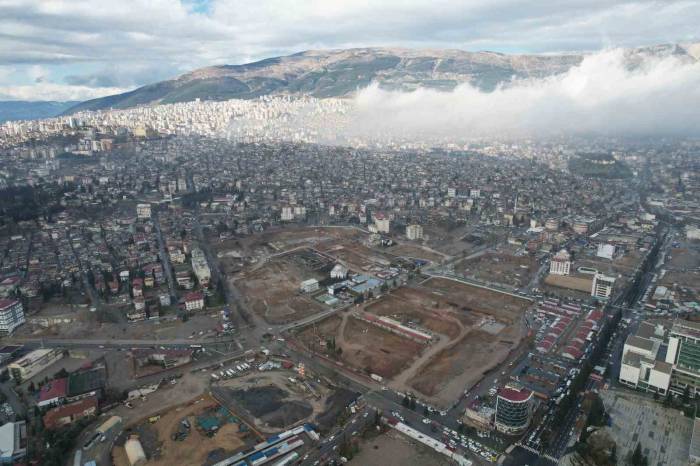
492, 328
473, 328
365, 348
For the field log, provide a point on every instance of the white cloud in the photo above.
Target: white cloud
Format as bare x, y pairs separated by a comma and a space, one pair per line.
53, 91
601, 96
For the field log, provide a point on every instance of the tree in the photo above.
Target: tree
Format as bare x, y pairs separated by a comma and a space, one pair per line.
426, 413
686, 395
597, 415
412, 403
406, 402
668, 401
637, 458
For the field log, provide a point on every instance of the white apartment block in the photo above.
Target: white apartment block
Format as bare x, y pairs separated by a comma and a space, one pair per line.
561, 263
11, 315
414, 232
200, 267
143, 211
640, 369
28, 366
287, 214
602, 286
382, 223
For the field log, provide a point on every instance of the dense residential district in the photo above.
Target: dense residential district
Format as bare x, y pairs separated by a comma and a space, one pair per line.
177, 290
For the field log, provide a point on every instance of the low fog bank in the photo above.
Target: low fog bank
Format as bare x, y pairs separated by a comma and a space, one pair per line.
605, 95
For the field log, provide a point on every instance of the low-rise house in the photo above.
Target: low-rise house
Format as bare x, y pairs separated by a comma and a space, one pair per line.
69, 413
194, 301
53, 393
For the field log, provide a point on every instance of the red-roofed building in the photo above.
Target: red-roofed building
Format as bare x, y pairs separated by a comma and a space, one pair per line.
194, 301
67, 414
513, 409
545, 346
53, 392
572, 352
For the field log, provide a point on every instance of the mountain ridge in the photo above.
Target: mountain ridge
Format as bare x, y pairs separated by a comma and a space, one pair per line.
339, 72
11, 110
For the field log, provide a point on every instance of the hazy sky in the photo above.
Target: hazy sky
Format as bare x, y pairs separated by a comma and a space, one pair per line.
75, 49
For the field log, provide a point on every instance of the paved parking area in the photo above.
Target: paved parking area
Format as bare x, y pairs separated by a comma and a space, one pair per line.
664, 433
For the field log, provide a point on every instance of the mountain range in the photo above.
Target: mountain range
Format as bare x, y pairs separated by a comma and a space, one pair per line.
337, 73
32, 110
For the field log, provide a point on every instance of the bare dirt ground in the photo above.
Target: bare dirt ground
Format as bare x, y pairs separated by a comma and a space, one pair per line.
87, 327
506, 269
419, 306
418, 252
683, 257
365, 347
195, 448
285, 238
355, 255
395, 449
445, 376
490, 328
499, 305
272, 291
375, 350
188, 387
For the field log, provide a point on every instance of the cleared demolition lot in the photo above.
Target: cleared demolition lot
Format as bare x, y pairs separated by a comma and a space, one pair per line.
506, 307
236, 255
276, 400
415, 251
360, 346
491, 328
502, 268
272, 288
356, 255
470, 330
682, 274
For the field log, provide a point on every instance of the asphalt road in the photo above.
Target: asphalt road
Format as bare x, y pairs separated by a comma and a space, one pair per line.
164, 260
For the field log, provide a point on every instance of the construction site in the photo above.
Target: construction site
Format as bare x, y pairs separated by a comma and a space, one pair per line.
274, 400
198, 432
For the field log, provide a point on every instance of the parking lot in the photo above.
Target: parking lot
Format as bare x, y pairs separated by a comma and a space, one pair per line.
663, 433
